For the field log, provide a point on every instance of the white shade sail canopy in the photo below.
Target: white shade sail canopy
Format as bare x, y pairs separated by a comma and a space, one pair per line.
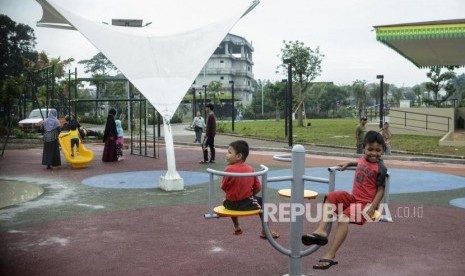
164, 55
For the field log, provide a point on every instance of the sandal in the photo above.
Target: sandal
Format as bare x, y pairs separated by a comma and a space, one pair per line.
274, 234
237, 232
314, 239
325, 264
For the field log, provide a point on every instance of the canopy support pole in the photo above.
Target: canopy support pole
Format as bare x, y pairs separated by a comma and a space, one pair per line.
171, 181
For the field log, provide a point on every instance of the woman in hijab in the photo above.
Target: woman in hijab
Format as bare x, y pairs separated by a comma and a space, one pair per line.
50, 130
109, 138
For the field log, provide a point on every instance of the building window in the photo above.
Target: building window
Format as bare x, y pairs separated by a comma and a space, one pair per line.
221, 78
221, 61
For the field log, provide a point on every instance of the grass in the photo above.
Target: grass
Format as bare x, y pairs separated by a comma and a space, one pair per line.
336, 132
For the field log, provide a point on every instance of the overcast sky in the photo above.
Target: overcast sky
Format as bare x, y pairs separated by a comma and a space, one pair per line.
343, 30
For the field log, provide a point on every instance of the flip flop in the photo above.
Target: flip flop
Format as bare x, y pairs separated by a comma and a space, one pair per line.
238, 232
328, 263
314, 239
274, 234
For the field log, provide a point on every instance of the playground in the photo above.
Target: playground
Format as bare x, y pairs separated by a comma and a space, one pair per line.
153, 216
120, 226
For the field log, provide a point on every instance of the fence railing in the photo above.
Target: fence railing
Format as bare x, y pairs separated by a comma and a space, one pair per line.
417, 120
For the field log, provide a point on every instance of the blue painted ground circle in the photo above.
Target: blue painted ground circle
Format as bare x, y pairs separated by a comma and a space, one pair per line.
401, 180
142, 179
458, 202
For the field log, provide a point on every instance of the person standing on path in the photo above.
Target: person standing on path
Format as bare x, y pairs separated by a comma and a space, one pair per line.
360, 132
50, 131
387, 135
119, 140
210, 132
109, 138
198, 124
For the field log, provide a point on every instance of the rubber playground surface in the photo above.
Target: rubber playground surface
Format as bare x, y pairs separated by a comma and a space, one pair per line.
111, 219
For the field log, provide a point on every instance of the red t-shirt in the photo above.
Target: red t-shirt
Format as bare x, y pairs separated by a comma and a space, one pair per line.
240, 188
368, 176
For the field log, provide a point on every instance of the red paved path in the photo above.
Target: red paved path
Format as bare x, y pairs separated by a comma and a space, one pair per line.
177, 240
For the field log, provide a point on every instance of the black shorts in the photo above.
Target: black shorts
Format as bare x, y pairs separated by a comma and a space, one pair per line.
75, 141
250, 203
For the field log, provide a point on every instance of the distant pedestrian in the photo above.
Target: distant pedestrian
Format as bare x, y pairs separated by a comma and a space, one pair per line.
50, 131
110, 135
387, 135
360, 132
119, 140
198, 124
210, 132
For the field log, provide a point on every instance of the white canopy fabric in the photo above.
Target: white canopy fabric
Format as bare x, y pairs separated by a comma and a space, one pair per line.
161, 59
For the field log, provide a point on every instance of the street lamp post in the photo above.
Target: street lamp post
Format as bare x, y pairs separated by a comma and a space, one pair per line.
288, 61
194, 107
205, 101
262, 100
232, 101
285, 107
381, 99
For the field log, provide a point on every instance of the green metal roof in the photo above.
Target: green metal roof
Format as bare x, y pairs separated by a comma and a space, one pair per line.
426, 44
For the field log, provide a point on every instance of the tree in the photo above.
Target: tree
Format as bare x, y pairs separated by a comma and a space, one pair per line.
34, 70
360, 95
274, 96
397, 94
306, 66
316, 92
214, 88
459, 84
417, 92
439, 81
17, 42
99, 66
332, 98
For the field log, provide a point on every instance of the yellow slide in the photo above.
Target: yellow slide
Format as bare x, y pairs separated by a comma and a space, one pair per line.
80, 160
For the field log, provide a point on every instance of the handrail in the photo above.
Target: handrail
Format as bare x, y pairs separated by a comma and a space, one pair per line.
283, 157
212, 172
332, 175
429, 124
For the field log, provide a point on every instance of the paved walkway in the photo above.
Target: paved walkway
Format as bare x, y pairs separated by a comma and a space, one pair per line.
77, 229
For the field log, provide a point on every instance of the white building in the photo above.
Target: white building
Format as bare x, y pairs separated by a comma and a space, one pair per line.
232, 61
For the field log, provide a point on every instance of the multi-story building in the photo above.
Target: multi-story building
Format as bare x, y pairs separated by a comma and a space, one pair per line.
232, 61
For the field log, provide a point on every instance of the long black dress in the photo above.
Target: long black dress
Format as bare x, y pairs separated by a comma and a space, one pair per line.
109, 138
51, 152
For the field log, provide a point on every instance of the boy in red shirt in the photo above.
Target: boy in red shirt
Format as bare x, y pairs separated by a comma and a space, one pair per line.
240, 191
367, 193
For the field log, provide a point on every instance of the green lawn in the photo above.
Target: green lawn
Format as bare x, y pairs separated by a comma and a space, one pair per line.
335, 132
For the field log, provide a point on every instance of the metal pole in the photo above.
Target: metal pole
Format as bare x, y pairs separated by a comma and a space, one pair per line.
128, 90
289, 89
53, 88
232, 100
285, 107
194, 107
205, 102
75, 90
381, 99
69, 93
297, 199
